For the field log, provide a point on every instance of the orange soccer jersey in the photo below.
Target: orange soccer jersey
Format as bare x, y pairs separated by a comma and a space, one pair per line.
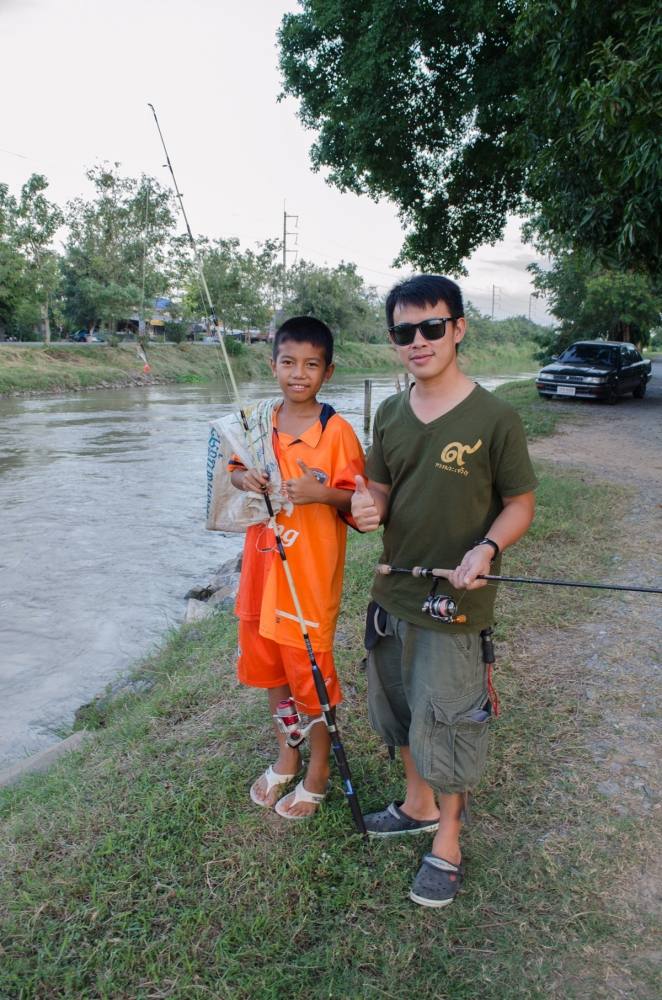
313, 536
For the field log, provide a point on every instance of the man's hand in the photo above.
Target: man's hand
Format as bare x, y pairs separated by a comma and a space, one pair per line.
364, 509
476, 562
306, 489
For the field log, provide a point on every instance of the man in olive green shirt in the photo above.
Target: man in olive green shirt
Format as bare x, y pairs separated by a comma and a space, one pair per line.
451, 481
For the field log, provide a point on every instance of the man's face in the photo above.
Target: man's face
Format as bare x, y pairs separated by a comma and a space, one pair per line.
429, 359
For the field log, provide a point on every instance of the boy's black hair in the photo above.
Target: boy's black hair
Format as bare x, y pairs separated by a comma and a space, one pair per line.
305, 330
424, 290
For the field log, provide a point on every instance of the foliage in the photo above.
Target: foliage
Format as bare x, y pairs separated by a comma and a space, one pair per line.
413, 107
594, 140
338, 297
115, 254
461, 113
593, 301
244, 285
29, 273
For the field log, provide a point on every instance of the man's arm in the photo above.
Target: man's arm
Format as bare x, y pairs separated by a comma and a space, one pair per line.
513, 522
369, 504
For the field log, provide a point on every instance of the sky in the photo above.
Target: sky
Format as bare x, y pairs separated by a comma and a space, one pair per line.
76, 77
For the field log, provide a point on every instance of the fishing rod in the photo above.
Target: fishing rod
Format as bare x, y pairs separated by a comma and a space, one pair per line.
318, 679
383, 569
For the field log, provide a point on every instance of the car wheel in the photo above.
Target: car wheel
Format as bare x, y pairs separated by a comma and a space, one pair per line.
612, 398
640, 391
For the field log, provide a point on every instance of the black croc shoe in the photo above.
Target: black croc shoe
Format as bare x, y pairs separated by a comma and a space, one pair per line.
393, 822
437, 882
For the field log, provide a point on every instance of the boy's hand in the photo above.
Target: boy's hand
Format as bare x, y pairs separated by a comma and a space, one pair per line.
256, 481
306, 489
364, 508
476, 562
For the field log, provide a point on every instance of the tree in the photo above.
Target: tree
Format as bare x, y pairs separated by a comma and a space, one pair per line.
244, 285
593, 137
27, 259
462, 113
337, 296
117, 250
592, 301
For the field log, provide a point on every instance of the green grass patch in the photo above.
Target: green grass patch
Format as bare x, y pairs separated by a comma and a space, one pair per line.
484, 358
539, 416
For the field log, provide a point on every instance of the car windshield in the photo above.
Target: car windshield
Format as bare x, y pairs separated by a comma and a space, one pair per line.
593, 353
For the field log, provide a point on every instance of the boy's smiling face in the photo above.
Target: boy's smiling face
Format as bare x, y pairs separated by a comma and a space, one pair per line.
429, 359
301, 370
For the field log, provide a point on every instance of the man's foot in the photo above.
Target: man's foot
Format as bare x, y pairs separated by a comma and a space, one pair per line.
301, 803
437, 882
268, 787
393, 822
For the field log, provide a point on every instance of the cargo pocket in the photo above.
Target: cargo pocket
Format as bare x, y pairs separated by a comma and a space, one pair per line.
454, 747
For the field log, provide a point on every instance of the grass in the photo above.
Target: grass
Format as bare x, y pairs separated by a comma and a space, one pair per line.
140, 869
61, 367
539, 416
65, 367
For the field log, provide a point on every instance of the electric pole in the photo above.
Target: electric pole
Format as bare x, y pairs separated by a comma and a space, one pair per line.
286, 233
494, 291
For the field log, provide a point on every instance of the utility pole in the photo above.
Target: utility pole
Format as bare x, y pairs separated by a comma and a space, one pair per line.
494, 290
286, 233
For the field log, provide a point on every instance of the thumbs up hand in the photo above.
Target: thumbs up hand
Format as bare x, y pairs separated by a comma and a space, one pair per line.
364, 509
306, 488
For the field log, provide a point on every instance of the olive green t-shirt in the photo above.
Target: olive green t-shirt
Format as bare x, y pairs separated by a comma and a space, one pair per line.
447, 479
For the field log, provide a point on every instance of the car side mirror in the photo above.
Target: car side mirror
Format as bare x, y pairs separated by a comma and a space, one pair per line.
555, 357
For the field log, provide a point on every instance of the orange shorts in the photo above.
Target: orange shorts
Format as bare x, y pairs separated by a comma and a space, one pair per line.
263, 663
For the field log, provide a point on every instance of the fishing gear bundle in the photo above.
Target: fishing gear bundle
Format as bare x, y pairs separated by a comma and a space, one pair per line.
328, 713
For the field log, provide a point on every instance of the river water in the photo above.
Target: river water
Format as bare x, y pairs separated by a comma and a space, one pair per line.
102, 500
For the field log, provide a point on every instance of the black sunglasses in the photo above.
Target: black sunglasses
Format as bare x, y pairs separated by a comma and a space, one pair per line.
432, 329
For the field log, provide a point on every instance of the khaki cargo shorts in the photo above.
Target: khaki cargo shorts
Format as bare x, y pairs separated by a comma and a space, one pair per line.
427, 689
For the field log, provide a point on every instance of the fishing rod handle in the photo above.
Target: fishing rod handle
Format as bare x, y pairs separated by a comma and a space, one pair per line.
383, 569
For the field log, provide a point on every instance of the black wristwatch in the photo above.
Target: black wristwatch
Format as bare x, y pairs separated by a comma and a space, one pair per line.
489, 541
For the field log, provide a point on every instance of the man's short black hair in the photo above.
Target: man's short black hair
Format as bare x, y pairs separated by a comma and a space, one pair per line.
424, 290
305, 330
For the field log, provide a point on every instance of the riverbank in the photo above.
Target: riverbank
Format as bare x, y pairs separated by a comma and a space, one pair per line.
139, 867
59, 368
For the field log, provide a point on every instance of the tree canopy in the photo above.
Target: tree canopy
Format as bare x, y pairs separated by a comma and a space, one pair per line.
592, 301
29, 269
462, 113
116, 249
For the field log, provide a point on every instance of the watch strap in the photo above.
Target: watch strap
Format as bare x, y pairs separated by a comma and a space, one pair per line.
489, 541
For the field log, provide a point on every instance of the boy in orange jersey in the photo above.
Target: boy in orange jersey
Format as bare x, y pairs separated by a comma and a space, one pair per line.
318, 455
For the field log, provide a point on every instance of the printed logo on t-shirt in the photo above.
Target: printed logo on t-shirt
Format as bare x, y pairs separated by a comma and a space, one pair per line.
452, 457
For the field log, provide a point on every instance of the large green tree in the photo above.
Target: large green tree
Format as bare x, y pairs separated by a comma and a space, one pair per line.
117, 250
244, 285
590, 300
28, 260
338, 297
463, 112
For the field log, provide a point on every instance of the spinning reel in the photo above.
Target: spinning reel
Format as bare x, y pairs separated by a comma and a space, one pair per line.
442, 608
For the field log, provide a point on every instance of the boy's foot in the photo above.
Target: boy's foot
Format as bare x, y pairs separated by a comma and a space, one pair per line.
299, 804
437, 882
393, 822
266, 790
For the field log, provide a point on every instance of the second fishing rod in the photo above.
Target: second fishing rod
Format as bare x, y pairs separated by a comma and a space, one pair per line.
318, 679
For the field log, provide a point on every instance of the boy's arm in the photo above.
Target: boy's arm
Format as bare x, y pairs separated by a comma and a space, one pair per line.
513, 522
369, 504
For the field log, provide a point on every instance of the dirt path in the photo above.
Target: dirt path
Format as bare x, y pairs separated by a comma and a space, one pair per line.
616, 655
